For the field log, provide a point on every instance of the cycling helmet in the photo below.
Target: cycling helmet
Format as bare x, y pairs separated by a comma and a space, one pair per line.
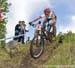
47, 11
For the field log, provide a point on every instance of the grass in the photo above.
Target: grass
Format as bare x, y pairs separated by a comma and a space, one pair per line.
64, 54
6, 60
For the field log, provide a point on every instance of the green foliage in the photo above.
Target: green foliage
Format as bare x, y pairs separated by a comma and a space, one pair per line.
3, 4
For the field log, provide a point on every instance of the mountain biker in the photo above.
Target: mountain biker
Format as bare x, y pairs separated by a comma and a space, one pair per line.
49, 15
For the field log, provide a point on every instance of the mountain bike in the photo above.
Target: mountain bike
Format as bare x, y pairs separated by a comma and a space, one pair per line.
38, 41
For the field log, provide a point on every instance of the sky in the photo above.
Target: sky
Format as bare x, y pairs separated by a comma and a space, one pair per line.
28, 10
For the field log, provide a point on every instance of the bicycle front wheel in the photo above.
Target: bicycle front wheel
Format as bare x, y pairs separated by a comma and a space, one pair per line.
37, 47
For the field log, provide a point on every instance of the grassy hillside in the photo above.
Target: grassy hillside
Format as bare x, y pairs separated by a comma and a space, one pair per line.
64, 54
7, 62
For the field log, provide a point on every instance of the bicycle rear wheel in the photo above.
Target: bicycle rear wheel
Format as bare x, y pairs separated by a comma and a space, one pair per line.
37, 47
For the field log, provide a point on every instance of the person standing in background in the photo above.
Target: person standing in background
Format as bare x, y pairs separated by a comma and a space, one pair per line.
21, 38
17, 30
22, 31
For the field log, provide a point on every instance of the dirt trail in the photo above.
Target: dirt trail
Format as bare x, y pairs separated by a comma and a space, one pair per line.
29, 62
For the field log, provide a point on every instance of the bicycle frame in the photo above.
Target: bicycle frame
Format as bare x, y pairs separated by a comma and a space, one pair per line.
45, 33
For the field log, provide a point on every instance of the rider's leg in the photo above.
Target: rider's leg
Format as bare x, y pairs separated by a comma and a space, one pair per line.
44, 29
54, 30
54, 25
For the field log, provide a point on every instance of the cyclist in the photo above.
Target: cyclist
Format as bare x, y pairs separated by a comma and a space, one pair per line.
49, 15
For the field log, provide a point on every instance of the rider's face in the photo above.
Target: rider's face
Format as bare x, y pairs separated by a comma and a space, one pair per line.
47, 14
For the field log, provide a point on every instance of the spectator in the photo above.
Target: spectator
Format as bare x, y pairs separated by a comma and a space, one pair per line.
17, 30
22, 31
25, 30
21, 38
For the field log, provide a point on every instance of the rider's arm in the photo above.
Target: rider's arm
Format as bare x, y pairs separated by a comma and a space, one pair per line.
31, 23
38, 18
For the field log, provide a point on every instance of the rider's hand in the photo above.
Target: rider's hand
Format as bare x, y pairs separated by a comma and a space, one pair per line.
30, 23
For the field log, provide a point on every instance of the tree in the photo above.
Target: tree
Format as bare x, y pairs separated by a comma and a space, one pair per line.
4, 5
